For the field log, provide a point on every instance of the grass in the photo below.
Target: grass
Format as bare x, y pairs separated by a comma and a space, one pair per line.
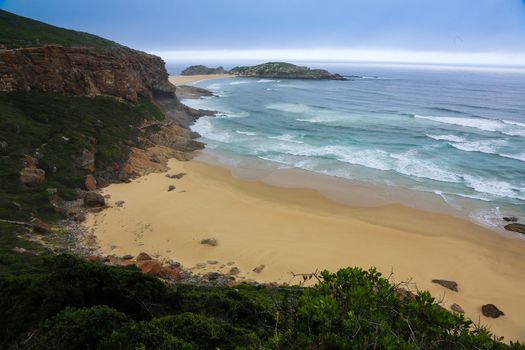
17, 31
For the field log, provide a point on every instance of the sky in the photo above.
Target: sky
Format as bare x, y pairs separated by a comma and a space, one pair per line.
434, 31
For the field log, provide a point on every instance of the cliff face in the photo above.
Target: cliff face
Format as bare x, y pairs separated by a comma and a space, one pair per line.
119, 72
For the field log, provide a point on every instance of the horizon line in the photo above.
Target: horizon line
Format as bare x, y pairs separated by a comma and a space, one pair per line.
490, 58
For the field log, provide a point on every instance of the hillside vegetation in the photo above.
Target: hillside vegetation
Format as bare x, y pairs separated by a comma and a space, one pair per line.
17, 31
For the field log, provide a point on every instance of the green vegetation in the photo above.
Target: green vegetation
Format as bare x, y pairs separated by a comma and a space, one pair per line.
56, 129
283, 70
62, 302
200, 69
17, 31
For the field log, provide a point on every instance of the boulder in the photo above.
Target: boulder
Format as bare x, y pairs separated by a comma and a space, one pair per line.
90, 183
457, 308
510, 219
210, 241
515, 227
151, 267
87, 160
171, 272
447, 284
212, 276
31, 175
171, 188
40, 226
94, 199
143, 257
490, 310
259, 268
127, 257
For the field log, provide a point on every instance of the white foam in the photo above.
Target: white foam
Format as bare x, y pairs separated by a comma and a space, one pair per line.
494, 187
227, 115
520, 156
410, 164
298, 108
247, 133
483, 146
266, 81
478, 123
512, 122
205, 128
452, 138
487, 217
285, 137
239, 82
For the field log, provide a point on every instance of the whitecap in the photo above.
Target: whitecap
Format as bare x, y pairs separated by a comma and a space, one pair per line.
239, 82
206, 129
494, 187
290, 107
512, 122
520, 156
452, 138
410, 164
483, 146
247, 133
478, 123
285, 137
266, 81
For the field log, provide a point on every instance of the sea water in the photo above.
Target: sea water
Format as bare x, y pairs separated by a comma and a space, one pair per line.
458, 132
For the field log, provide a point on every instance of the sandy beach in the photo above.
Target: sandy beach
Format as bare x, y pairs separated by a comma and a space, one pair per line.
299, 230
189, 79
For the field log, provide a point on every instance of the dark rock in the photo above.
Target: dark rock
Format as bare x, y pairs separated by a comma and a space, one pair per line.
447, 284
40, 226
510, 219
490, 310
234, 271
87, 160
210, 241
127, 257
143, 256
119, 204
94, 199
212, 276
212, 262
259, 268
176, 176
515, 227
171, 188
457, 308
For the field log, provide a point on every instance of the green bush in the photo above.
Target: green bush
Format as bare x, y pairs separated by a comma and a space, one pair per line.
81, 328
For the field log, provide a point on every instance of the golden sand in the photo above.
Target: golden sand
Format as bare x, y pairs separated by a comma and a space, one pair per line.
299, 230
188, 79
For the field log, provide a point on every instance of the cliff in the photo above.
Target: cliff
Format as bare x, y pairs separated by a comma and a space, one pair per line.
119, 72
282, 70
80, 112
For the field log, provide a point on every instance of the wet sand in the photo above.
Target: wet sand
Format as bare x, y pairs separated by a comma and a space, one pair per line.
190, 79
299, 230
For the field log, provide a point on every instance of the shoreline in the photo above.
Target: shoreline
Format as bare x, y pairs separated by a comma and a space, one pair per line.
178, 80
300, 230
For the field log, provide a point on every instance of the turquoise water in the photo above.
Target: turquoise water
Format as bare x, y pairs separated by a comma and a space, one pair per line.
459, 133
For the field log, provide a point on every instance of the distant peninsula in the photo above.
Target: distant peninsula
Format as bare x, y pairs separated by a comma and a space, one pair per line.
276, 70
202, 70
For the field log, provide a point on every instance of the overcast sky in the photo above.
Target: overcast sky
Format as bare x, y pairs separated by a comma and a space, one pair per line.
459, 30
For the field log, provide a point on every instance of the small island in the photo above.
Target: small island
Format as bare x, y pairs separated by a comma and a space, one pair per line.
275, 70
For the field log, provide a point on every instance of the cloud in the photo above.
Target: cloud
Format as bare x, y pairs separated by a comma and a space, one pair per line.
394, 56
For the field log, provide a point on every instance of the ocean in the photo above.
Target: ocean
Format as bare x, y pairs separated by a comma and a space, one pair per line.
457, 132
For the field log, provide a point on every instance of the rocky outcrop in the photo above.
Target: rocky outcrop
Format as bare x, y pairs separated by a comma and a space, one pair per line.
515, 227
94, 199
200, 69
282, 70
192, 92
119, 72
30, 174
447, 284
491, 310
